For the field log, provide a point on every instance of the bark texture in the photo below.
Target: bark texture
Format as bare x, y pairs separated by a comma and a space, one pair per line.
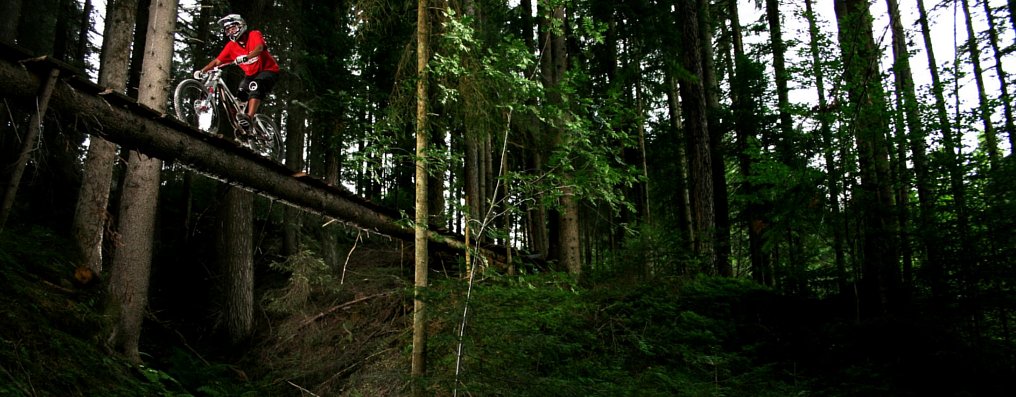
132, 260
696, 127
236, 260
422, 253
90, 214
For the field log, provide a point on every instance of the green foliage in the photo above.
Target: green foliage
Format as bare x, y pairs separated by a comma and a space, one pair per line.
590, 155
649, 251
586, 153
482, 83
163, 379
557, 339
487, 85
707, 336
203, 378
307, 274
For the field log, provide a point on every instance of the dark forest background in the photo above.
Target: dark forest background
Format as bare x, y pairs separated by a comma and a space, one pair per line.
702, 197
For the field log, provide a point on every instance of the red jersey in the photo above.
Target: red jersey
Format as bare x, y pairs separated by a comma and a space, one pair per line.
260, 63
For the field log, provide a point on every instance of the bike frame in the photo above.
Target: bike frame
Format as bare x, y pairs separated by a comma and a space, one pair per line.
221, 95
213, 97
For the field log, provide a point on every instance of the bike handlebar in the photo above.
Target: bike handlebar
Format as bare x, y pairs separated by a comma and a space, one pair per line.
223, 65
218, 68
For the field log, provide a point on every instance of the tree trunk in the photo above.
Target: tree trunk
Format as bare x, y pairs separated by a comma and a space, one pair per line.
138, 51
539, 217
472, 172
537, 214
721, 204
10, 13
747, 116
693, 101
296, 135
565, 231
235, 256
681, 198
781, 77
787, 141
85, 25
132, 260
571, 248
36, 29
435, 187
34, 129
1003, 78
295, 138
186, 202
62, 30
332, 170
1012, 12
917, 140
990, 144
421, 253
880, 271
902, 187
93, 198
833, 172
570, 255
936, 270
535, 235
642, 205
526, 23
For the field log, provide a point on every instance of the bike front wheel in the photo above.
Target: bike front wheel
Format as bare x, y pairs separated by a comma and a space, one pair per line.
266, 139
195, 106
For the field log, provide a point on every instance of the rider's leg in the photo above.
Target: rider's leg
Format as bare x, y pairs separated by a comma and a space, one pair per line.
252, 106
259, 86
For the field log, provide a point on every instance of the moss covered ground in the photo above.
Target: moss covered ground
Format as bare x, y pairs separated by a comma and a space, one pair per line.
323, 333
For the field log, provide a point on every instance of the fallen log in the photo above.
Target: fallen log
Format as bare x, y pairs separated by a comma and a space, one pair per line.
120, 119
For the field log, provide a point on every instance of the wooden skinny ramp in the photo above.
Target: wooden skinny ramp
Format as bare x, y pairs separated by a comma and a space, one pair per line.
123, 121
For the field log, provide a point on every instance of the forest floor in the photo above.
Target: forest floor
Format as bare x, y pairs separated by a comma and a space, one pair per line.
315, 338
325, 332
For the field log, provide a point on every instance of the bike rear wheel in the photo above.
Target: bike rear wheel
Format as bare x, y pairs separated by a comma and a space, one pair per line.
195, 106
265, 138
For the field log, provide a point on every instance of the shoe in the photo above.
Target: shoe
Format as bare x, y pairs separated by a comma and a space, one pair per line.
243, 121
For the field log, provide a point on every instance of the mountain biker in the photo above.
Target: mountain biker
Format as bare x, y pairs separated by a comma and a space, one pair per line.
248, 49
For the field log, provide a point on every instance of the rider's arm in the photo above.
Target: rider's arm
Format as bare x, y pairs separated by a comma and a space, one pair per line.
215, 62
258, 42
256, 51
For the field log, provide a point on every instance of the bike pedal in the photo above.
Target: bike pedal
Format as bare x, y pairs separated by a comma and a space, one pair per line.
243, 121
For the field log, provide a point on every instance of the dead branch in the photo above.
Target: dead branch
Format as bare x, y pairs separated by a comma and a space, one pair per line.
339, 307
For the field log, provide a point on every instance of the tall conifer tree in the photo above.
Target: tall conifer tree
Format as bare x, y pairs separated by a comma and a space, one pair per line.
90, 218
869, 123
132, 260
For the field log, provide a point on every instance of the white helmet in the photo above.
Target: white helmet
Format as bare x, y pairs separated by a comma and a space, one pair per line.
231, 20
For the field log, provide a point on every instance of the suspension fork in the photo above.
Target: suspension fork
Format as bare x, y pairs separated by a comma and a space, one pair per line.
231, 104
227, 102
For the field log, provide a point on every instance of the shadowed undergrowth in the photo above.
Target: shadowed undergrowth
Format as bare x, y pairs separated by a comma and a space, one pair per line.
531, 335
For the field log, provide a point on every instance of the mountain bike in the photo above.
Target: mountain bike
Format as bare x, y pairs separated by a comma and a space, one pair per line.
200, 103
